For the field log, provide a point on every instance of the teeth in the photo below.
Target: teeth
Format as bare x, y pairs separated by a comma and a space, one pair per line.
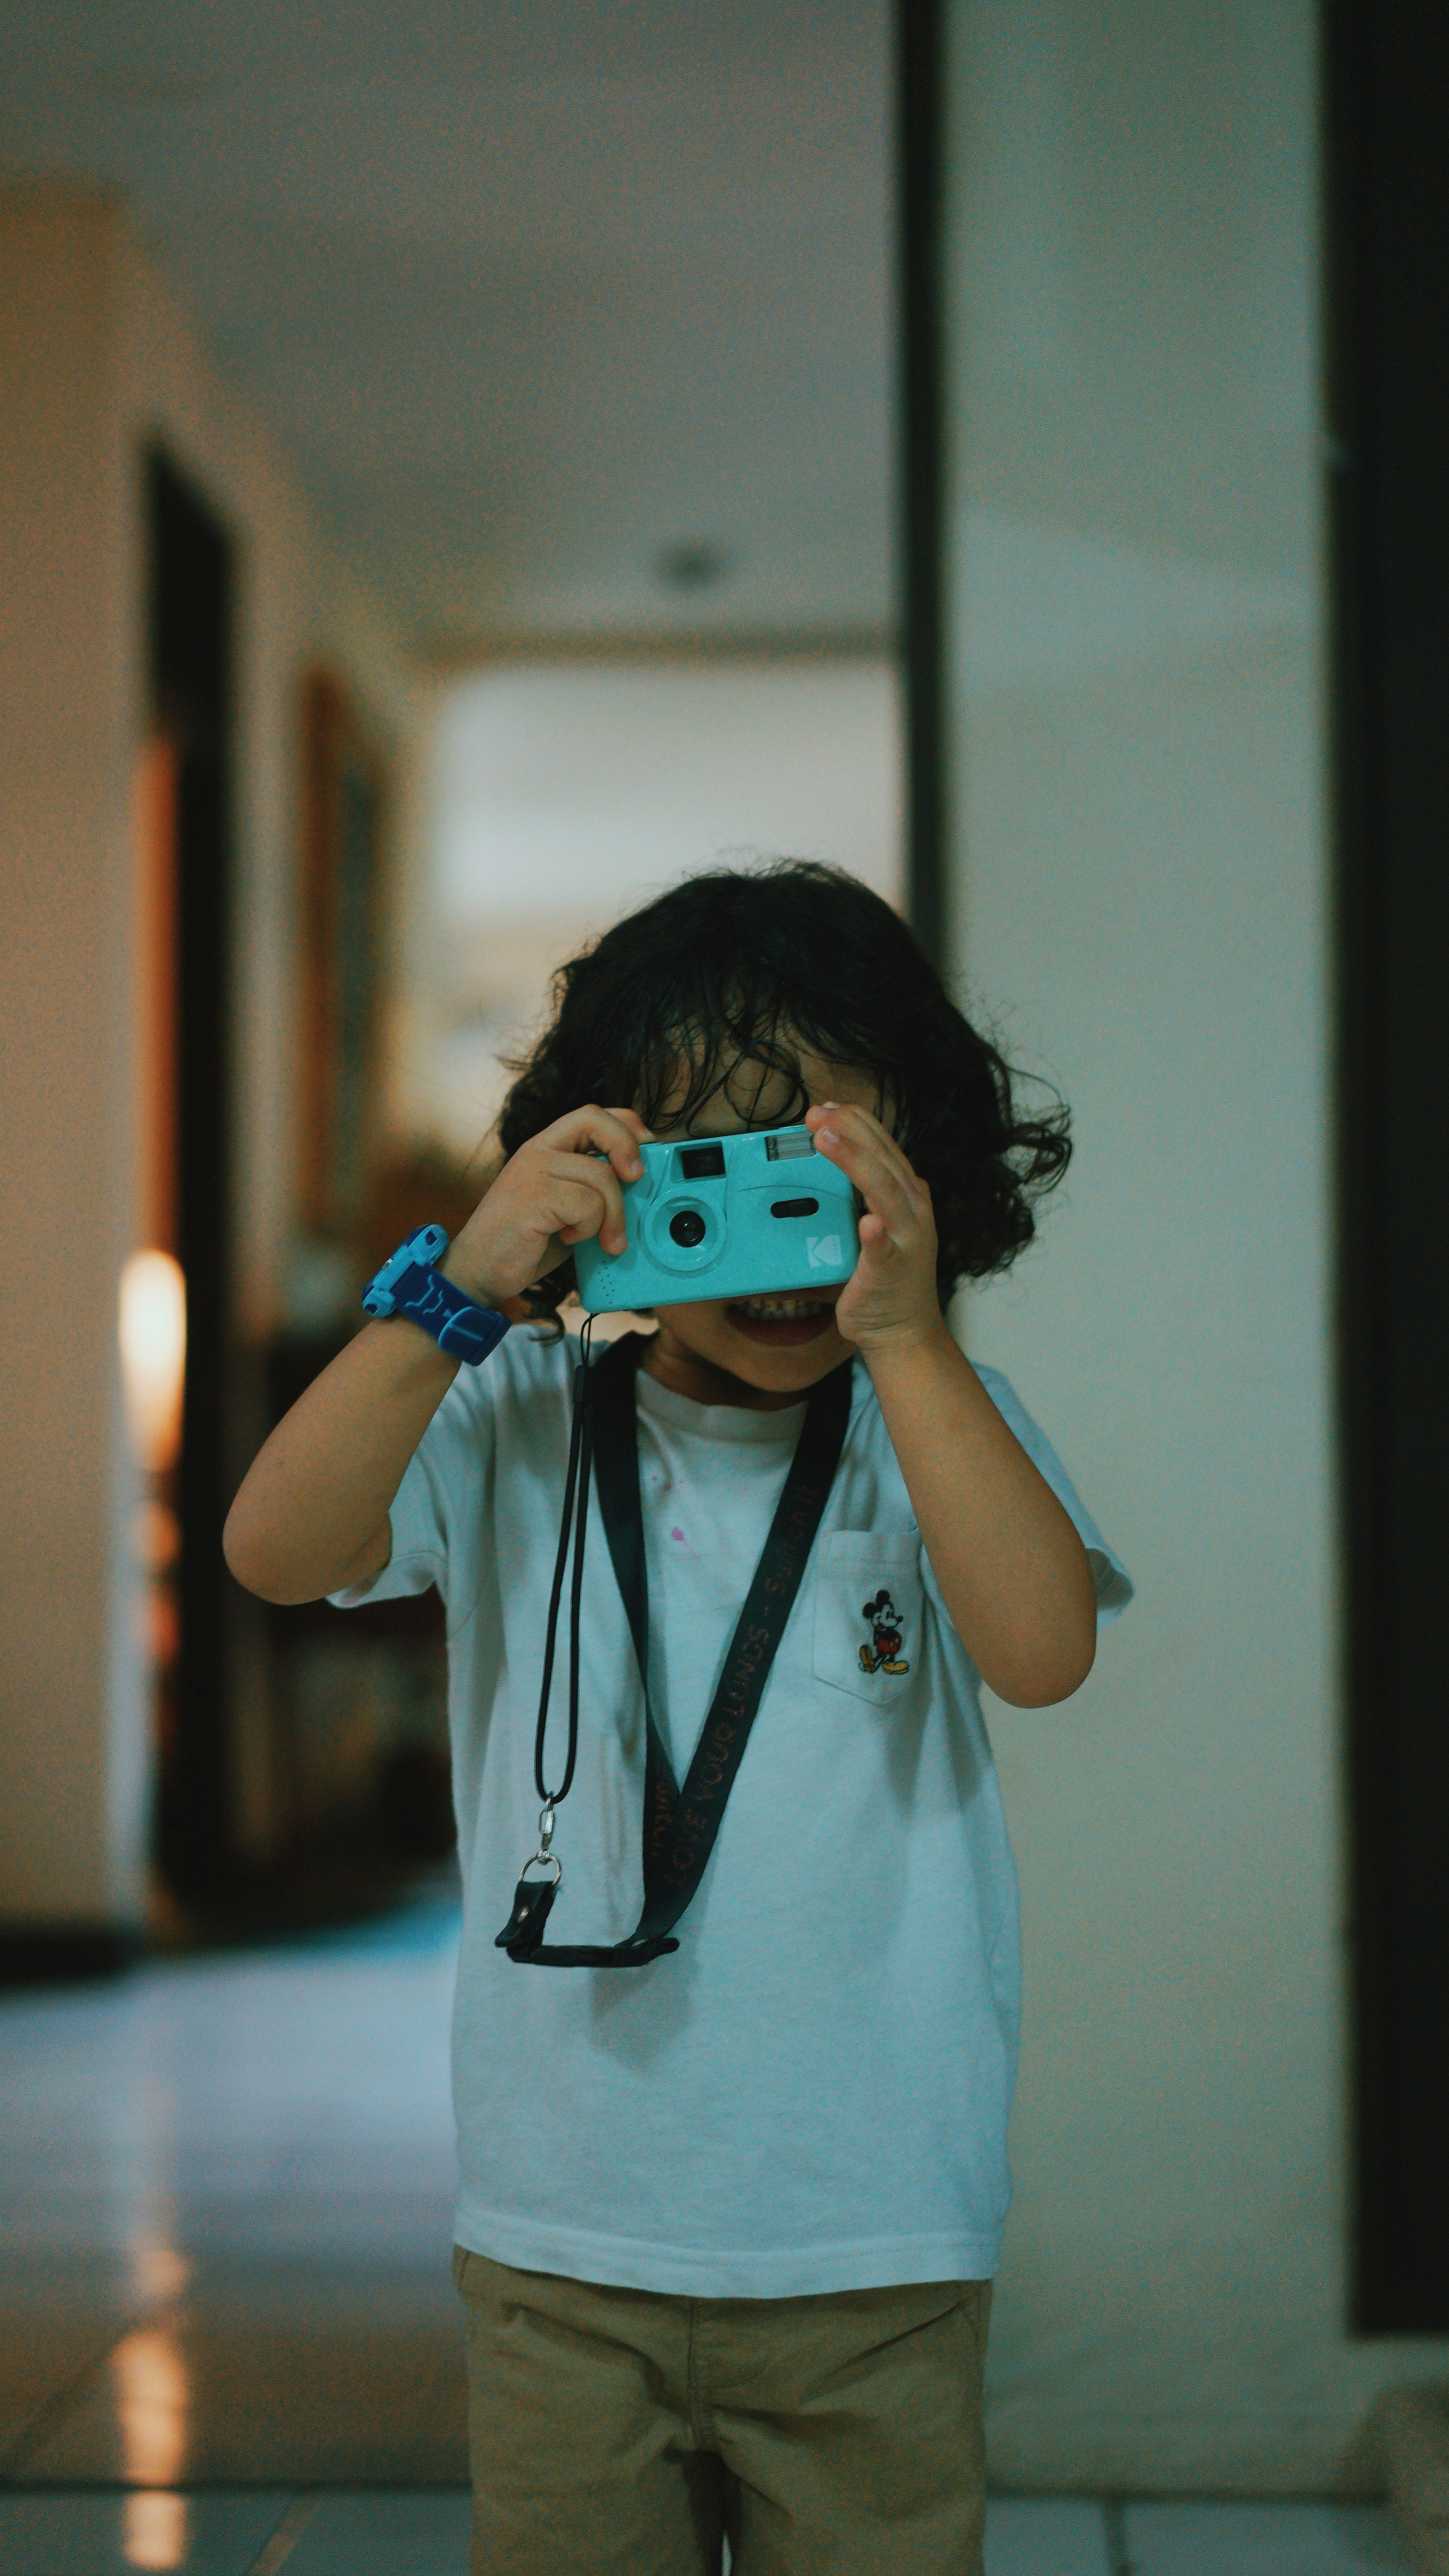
784, 1309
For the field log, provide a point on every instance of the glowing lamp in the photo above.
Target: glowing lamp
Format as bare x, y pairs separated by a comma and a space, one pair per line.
153, 1355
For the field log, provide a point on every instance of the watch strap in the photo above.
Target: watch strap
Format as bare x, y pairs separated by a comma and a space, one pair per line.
466, 1330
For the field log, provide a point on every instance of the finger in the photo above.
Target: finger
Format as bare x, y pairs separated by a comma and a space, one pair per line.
886, 1187
579, 1219
625, 1157
860, 1128
611, 1132
585, 1199
880, 1253
632, 1120
855, 1130
836, 1110
852, 1115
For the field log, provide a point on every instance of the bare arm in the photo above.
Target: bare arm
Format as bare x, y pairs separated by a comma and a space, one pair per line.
312, 1514
1013, 1571
1011, 1567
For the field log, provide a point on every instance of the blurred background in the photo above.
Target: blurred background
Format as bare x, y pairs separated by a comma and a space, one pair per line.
464, 468
491, 517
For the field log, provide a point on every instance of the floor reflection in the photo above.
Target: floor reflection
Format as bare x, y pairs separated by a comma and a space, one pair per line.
154, 2531
225, 2206
158, 2270
152, 2408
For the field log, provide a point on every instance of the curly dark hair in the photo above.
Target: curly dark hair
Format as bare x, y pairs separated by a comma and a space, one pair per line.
756, 968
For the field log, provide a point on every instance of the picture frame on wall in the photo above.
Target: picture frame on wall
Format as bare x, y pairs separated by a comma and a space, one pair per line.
344, 812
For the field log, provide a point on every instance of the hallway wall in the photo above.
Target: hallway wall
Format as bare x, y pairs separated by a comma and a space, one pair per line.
561, 794
95, 359
70, 1783
1142, 889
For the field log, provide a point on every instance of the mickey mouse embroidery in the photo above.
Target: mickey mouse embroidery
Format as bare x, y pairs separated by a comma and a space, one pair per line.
883, 1654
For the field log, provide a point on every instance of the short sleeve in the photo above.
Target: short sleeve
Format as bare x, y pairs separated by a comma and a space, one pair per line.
1110, 1575
441, 1512
419, 1545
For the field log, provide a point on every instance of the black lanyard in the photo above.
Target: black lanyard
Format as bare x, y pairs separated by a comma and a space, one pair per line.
679, 1824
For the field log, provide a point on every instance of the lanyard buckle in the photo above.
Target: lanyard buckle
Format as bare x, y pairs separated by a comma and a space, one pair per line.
545, 1856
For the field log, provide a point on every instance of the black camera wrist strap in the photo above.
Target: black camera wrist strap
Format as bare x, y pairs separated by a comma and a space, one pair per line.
680, 1825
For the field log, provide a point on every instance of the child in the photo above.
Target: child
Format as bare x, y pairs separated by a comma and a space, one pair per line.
727, 2221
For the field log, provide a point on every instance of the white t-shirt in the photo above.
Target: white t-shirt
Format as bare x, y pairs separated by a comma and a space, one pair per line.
811, 2093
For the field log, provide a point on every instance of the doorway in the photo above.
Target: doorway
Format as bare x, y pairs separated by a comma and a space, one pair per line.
190, 666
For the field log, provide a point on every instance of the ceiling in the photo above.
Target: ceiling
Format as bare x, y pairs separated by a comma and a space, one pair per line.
534, 292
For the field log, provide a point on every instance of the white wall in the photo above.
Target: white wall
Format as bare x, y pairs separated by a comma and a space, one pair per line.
95, 358
1141, 890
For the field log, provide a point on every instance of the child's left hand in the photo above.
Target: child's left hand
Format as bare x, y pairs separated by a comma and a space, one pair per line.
892, 1293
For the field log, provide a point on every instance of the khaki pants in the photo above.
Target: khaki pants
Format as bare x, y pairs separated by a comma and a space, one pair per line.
624, 2433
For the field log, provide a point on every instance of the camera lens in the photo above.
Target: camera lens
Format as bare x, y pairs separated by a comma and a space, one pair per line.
687, 1228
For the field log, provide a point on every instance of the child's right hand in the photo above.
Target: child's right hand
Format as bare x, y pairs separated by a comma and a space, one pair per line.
553, 1193
314, 1511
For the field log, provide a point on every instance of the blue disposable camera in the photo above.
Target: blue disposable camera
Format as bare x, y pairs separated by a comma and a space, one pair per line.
726, 1216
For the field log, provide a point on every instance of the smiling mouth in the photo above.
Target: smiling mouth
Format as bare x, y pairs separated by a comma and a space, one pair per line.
781, 1319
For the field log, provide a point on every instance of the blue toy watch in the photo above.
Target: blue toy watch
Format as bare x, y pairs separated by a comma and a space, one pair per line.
411, 1285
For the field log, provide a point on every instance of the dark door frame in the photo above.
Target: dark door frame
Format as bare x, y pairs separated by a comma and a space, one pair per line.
920, 454
190, 658
1386, 99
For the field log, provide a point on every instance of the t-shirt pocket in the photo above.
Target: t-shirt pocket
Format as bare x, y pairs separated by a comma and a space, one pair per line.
869, 1614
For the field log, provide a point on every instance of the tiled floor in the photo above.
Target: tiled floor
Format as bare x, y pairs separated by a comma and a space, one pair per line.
1258, 2540
225, 2201
228, 2337
259, 2531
